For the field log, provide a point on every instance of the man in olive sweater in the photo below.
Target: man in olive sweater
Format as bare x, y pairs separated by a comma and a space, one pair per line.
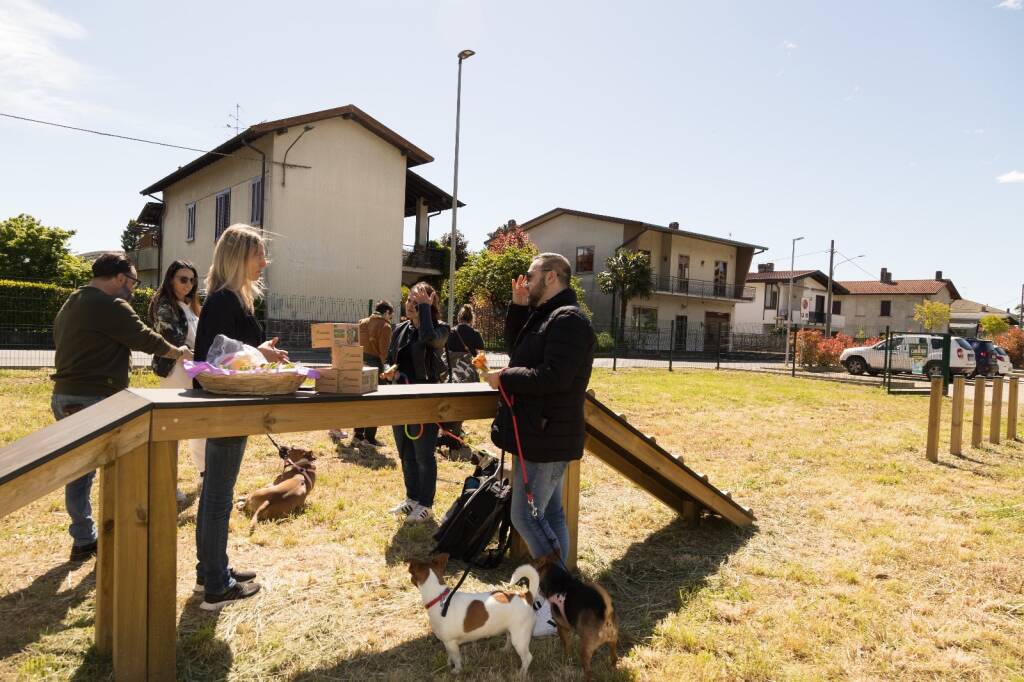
95, 332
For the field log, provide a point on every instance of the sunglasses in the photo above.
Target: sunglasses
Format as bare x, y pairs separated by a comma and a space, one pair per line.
135, 280
529, 275
186, 280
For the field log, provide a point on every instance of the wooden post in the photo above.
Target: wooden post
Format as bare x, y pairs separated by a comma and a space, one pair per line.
131, 550
105, 561
691, 516
979, 411
995, 425
934, 417
571, 505
956, 434
163, 558
1011, 410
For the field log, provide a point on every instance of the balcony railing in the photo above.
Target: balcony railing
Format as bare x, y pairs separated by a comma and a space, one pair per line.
701, 289
422, 257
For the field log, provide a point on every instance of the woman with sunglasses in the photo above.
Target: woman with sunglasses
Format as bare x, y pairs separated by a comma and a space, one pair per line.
174, 314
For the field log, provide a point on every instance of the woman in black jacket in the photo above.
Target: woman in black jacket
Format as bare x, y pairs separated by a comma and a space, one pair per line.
416, 347
232, 286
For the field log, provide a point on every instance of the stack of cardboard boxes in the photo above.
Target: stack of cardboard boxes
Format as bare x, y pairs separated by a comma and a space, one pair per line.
347, 374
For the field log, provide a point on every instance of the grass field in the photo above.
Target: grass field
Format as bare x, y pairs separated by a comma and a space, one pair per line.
866, 562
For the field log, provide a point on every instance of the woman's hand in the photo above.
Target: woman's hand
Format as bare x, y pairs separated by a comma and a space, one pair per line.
389, 373
271, 352
520, 292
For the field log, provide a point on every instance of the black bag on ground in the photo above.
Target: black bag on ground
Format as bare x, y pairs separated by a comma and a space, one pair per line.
481, 513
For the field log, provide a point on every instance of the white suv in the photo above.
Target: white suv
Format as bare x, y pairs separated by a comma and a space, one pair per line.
910, 354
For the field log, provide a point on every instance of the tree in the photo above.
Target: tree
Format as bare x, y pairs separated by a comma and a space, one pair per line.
993, 325
30, 250
489, 275
628, 276
131, 235
933, 315
461, 248
508, 237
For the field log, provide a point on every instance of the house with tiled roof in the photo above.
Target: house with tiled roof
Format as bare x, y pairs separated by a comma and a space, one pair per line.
965, 316
869, 306
800, 296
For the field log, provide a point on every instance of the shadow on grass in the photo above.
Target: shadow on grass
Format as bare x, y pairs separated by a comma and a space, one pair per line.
200, 654
413, 541
368, 457
652, 579
38, 609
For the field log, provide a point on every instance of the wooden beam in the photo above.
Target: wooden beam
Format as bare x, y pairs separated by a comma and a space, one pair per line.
934, 420
956, 432
571, 506
995, 427
979, 412
131, 561
106, 530
1011, 410
161, 630
626, 466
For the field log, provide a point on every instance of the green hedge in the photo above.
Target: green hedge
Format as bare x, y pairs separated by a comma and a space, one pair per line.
35, 304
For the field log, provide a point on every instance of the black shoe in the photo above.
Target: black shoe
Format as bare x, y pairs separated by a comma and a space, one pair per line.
239, 576
215, 602
372, 441
83, 552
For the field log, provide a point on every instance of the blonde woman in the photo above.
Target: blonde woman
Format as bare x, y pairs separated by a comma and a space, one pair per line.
232, 287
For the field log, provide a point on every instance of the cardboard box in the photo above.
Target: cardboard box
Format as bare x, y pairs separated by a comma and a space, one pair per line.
347, 382
344, 356
329, 334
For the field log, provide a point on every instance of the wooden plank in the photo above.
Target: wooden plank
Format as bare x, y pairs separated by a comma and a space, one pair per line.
131, 552
956, 432
934, 419
257, 418
1011, 409
173, 398
571, 505
34, 481
654, 485
163, 557
691, 515
106, 528
995, 427
979, 412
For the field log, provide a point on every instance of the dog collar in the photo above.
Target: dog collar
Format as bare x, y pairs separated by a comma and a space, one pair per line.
436, 599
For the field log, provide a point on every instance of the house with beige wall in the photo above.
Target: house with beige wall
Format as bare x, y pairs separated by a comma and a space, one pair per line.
698, 279
801, 296
873, 305
330, 189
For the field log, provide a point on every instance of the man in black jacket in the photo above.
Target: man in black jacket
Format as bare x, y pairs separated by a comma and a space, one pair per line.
551, 354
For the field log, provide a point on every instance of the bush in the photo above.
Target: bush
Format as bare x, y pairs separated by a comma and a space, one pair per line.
35, 304
829, 350
807, 341
1012, 342
605, 342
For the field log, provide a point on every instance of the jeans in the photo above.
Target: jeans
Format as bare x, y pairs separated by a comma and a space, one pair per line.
369, 432
545, 480
223, 460
77, 494
419, 468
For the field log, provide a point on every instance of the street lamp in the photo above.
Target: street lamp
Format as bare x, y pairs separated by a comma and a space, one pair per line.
789, 295
465, 54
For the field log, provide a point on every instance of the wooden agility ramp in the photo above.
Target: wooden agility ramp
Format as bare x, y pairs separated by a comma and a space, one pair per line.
640, 459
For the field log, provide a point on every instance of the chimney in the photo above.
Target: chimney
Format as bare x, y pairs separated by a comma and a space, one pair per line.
673, 226
766, 267
885, 276
511, 224
938, 275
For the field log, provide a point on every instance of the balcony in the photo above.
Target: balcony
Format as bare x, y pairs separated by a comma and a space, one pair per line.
815, 319
422, 258
696, 288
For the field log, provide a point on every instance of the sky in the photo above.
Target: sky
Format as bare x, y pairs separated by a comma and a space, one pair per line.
894, 128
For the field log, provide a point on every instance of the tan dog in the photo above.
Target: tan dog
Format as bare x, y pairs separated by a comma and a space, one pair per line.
288, 491
584, 608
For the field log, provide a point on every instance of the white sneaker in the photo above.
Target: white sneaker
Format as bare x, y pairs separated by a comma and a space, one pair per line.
420, 514
403, 508
545, 625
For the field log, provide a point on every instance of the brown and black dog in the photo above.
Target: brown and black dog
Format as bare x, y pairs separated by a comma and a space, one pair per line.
582, 607
288, 491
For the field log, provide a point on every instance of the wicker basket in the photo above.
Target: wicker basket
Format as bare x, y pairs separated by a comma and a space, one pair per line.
280, 383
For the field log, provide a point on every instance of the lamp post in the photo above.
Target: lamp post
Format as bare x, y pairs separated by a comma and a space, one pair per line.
789, 295
465, 54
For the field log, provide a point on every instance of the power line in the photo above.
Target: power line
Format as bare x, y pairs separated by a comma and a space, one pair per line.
855, 264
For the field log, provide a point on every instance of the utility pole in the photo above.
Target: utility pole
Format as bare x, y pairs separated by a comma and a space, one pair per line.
828, 294
789, 297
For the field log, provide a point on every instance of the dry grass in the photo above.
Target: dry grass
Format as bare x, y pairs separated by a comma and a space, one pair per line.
866, 563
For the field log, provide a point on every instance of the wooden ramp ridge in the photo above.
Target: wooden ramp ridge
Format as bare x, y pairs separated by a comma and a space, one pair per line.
639, 458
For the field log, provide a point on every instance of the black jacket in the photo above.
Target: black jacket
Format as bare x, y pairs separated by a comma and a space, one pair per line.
223, 313
551, 354
417, 352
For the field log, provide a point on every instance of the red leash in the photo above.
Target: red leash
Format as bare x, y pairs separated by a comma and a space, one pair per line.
509, 400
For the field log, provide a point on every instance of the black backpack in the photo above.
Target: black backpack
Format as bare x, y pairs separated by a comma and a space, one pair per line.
481, 513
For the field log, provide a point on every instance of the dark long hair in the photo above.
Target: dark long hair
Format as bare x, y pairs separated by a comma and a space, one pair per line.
435, 311
166, 290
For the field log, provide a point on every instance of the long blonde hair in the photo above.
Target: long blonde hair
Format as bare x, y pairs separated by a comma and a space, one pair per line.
230, 270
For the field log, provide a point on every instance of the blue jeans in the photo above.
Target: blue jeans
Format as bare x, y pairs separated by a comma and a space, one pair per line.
419, 467
77, 494
545, 479
223, 460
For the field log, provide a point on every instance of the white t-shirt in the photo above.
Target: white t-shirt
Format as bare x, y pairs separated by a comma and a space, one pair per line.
193, 321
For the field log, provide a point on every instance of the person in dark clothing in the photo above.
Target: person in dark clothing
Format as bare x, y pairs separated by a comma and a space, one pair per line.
463, 344
233, 283
374, 337
464, 338
95, 332
551, 353
416, 347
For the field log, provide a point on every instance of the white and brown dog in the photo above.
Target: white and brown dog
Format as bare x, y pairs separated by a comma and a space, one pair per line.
476, 615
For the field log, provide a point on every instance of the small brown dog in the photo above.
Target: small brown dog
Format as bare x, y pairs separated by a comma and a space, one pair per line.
584, 608
288, 491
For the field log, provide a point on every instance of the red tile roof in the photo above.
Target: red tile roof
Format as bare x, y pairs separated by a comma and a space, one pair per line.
917, 287
778, 275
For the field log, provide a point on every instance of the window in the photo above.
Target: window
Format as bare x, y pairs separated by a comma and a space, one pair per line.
771, 296
936, 343
584, 259
886, 310
222, 218
256, 201
837, 307
190, 222
645, 318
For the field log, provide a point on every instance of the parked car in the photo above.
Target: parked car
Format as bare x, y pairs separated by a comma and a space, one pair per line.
985, 352
910, 354
1003, 358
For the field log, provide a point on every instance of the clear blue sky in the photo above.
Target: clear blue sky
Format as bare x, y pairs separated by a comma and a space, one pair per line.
885, 125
